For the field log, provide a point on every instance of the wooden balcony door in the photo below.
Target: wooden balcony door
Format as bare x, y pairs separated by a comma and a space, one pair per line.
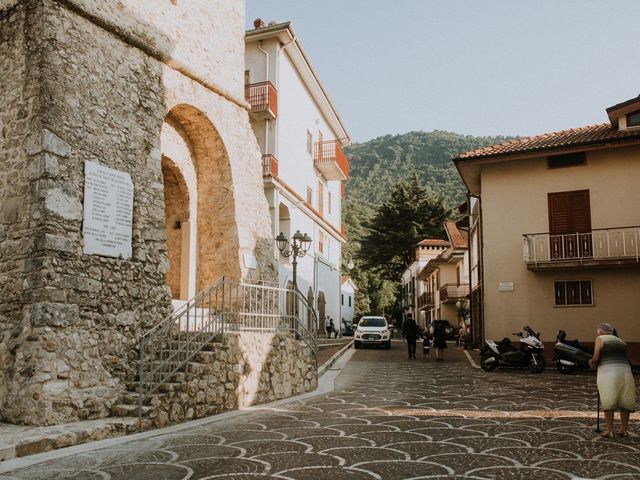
570, 225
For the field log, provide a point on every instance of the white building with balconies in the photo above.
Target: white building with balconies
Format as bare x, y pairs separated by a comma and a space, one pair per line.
301, 137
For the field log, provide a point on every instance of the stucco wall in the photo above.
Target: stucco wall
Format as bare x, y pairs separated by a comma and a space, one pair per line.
514, 197
207, 36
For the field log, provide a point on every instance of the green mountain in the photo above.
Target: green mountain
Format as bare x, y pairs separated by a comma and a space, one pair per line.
376, 168
377, 165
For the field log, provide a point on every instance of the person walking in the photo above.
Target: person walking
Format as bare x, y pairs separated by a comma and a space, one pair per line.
439, 341
410, 332
332, 326
615, 379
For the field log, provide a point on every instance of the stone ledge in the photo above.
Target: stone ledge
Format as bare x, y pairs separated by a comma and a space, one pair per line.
19, 441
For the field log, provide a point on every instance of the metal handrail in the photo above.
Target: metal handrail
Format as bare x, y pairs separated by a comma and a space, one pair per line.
596, 244
228, 305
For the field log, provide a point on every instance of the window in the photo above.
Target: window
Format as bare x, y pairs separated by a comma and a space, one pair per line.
573, 292
633, 119
321, 242
329, 202
309, 195
567, 160
247, 77
321, 198
349, 300
342, 299
309, 143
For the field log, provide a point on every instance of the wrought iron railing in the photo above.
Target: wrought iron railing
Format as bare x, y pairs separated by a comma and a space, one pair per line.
600, 244
262, 97
227, 306
329, 153
425, 300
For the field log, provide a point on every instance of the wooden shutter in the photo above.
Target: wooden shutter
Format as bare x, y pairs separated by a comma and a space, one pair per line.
569, 217
569, 212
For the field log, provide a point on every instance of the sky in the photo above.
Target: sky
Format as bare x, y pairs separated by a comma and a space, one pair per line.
475, 67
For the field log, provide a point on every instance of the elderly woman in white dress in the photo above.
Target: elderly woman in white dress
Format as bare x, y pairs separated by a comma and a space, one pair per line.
615, 380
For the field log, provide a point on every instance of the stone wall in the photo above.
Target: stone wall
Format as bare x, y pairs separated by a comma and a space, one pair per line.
75, 89
19, 104
247, 369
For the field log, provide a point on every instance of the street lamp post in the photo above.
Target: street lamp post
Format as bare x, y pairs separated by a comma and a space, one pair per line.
298, 247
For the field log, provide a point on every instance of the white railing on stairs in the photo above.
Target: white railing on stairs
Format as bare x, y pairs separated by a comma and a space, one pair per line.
226, 306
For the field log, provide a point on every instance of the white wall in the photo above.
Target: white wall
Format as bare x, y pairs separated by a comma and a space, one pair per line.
347, 292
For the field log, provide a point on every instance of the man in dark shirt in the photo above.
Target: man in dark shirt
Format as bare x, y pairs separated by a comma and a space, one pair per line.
410, 332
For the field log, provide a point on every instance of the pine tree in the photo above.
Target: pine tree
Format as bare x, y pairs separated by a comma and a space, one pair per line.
411, 214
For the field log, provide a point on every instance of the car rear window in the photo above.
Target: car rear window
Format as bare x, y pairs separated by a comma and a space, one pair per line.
373, 322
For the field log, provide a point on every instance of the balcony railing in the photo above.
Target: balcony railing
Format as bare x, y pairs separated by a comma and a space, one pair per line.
330, 160
269, 166
263, 99
609, 246
425, 300
450, 292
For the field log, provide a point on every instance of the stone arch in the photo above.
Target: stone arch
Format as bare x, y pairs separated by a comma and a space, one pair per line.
177, 222
214, 238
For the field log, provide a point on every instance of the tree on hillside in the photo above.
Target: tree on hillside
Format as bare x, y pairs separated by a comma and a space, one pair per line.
411, 214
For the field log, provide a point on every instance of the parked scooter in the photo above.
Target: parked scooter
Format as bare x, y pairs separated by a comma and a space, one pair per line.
529, 354
570, 355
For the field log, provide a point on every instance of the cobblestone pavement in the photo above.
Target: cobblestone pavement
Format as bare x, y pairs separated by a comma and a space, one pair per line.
388, 418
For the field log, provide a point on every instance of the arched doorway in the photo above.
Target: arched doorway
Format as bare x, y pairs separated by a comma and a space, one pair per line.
193, 144
177, 215
322, 312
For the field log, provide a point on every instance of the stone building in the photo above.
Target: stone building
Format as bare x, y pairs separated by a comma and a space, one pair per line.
153, 90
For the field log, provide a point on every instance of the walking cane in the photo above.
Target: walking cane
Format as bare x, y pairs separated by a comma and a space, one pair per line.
598, 416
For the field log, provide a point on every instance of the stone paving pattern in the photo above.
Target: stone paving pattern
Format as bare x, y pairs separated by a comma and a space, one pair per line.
388, 418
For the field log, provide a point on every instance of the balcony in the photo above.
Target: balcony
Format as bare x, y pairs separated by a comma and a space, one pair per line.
450, 292
425, 300
329, 159
598, 248
263, 99
269, 166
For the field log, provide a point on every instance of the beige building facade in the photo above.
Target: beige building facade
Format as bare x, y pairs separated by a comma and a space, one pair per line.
445, 279
560, 235
153, 90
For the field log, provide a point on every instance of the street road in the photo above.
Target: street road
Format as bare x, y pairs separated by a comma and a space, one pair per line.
388, 418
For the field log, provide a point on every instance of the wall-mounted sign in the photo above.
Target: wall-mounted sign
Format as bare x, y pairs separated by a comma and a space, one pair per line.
108, 211
505, 286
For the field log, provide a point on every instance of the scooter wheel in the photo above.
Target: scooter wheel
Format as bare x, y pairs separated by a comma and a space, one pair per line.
490, 366
566, 369
537, 366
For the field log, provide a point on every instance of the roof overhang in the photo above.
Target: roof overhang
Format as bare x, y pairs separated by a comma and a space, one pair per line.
614, 113
470, 168
291, 45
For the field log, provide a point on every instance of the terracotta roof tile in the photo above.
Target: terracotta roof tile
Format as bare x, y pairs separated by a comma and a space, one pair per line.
458, 239
434, 242
590, 135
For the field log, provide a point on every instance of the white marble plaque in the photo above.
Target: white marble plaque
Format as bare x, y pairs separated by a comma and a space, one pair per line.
108, 211
505, 286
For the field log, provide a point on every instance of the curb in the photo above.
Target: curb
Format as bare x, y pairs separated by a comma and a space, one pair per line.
329, 363
471, 362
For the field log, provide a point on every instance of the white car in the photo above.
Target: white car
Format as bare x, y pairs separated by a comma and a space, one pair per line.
372, 331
